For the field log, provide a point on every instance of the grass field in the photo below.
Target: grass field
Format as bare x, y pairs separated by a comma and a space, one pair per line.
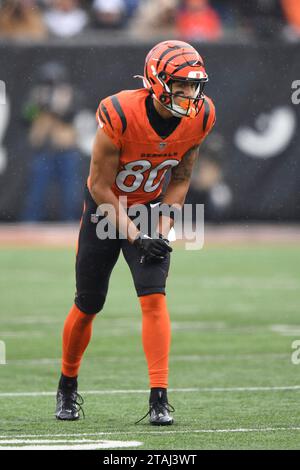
235, 313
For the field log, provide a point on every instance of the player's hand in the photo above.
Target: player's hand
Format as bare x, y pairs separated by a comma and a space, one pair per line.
152, 249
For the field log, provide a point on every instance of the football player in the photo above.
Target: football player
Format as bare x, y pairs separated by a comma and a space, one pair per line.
142, 134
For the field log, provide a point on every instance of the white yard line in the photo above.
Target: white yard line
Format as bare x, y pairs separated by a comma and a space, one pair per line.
32, 362
22, 334
175, 358
242, 282
119, 433
69, 445
119, 328
180, 390
286, 330
62, 440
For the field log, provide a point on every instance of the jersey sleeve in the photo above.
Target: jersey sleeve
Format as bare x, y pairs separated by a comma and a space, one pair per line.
209, 117
108, 118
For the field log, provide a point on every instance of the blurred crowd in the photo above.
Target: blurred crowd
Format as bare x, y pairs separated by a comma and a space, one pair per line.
48, 112
200, 20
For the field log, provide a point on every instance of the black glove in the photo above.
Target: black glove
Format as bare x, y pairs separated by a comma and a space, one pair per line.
152, 249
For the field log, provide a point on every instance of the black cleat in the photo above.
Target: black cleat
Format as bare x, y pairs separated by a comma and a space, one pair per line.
159, 414
159, 409
68, 405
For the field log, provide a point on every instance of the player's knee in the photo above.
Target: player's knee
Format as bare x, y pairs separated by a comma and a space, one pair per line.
153, 304
154, 310
90, 302
150, 292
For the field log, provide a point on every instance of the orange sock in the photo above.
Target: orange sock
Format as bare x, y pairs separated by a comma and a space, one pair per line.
156, 335
76, 336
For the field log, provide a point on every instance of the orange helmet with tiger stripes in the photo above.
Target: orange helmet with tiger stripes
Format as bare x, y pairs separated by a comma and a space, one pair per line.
171, 61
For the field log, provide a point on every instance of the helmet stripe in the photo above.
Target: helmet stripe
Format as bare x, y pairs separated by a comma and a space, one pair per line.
170, 49
182, 66
177, 55
117, 106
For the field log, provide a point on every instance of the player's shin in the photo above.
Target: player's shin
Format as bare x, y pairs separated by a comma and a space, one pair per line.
156, 336
77, 333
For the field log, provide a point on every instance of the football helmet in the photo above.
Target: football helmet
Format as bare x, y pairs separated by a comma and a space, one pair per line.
171, 61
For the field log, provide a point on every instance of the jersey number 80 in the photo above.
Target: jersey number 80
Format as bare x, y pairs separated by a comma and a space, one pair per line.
136, 171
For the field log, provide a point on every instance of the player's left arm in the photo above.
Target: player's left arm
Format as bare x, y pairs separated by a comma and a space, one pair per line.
181, 174
180, 178
178, 187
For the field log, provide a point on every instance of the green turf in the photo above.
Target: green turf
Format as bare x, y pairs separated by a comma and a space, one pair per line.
235, 313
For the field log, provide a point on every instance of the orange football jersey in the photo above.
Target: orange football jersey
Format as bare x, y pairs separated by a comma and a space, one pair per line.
145, 157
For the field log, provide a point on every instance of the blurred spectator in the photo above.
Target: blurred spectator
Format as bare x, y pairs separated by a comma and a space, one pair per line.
227, 12
65, 18
155, 18
50, 110
261, 18
21, 19
208, 185
291, 10
109, 14
197, 20
131, 7
113, 14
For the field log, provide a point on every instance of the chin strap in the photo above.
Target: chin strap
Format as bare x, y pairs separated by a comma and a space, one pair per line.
186, 106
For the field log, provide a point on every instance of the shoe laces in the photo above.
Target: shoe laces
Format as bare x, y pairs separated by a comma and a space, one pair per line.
158, 406
74, 399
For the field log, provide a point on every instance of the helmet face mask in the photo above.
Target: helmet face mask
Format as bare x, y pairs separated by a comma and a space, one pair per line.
177, 102
170, 62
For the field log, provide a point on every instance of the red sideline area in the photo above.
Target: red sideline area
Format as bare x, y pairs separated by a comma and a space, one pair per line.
65, 235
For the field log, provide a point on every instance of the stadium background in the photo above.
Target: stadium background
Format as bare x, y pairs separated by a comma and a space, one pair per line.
235, 304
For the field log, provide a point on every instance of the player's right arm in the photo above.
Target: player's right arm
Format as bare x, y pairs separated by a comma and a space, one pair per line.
103, 170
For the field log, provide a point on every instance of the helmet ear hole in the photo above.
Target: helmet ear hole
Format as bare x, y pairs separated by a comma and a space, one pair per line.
162, 75
165, 99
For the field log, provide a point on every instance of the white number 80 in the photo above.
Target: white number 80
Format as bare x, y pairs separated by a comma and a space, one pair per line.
138, 174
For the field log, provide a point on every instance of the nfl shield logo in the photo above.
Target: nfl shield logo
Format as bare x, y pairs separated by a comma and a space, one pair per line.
94, 218
162, 145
